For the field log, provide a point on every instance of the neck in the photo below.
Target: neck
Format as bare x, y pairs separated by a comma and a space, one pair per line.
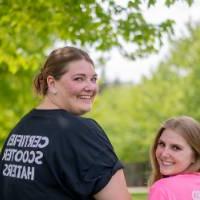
46, 104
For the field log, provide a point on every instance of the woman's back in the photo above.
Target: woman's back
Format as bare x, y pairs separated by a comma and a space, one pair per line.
52, 154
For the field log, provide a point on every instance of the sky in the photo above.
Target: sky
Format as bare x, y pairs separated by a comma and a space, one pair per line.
132, 71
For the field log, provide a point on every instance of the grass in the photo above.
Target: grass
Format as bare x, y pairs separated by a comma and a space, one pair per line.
139, 196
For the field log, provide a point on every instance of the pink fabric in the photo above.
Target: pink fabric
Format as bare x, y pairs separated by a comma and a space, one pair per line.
179, 187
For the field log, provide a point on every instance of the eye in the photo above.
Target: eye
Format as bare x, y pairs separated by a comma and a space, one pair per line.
161, 144
94, 79
79, 79
176, 147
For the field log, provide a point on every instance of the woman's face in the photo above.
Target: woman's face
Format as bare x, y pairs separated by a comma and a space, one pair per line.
77, 88
173, 153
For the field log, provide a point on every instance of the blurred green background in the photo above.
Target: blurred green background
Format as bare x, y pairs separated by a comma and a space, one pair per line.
139, 196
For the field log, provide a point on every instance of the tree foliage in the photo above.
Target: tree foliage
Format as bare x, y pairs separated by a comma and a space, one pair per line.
184, 59
28, 29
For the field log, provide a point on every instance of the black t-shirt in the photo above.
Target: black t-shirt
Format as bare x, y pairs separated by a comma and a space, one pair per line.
54, 155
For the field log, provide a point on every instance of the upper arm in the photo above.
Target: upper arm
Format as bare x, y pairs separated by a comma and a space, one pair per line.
116, 189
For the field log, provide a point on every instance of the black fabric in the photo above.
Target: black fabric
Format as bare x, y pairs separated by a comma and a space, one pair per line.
53, 155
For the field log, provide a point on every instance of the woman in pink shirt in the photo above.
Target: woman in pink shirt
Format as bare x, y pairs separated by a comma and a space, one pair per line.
175, 160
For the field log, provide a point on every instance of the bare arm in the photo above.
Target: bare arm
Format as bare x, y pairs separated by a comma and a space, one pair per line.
116, 189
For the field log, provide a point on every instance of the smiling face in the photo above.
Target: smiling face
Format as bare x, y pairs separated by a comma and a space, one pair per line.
173, 153
76, 89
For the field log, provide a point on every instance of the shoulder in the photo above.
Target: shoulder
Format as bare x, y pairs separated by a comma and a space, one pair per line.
93, 131
78, 122
81, 129
162, 189
91, 125
162, 183
172, 182
61, 118
174, 186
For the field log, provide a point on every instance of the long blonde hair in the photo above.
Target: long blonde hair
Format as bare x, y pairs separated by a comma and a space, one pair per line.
189, 129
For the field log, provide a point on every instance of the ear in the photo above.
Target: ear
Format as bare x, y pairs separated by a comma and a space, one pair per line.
51, 82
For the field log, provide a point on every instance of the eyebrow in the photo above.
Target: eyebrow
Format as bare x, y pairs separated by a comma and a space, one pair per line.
94, 75
160, 140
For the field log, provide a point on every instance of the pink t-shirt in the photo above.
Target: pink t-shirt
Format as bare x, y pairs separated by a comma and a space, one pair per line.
179, 187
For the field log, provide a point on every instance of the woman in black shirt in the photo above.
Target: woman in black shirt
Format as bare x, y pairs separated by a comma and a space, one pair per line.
55, 154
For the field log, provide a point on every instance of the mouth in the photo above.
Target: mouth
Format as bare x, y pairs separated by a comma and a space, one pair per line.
86, 98
163, 163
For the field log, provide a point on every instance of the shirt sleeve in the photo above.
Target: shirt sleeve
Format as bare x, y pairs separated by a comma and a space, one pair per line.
85, 158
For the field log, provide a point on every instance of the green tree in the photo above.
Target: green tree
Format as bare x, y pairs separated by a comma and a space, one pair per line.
184, 59
28, 29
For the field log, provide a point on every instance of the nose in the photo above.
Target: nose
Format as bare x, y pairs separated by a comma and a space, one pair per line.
91, 86
165, 152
